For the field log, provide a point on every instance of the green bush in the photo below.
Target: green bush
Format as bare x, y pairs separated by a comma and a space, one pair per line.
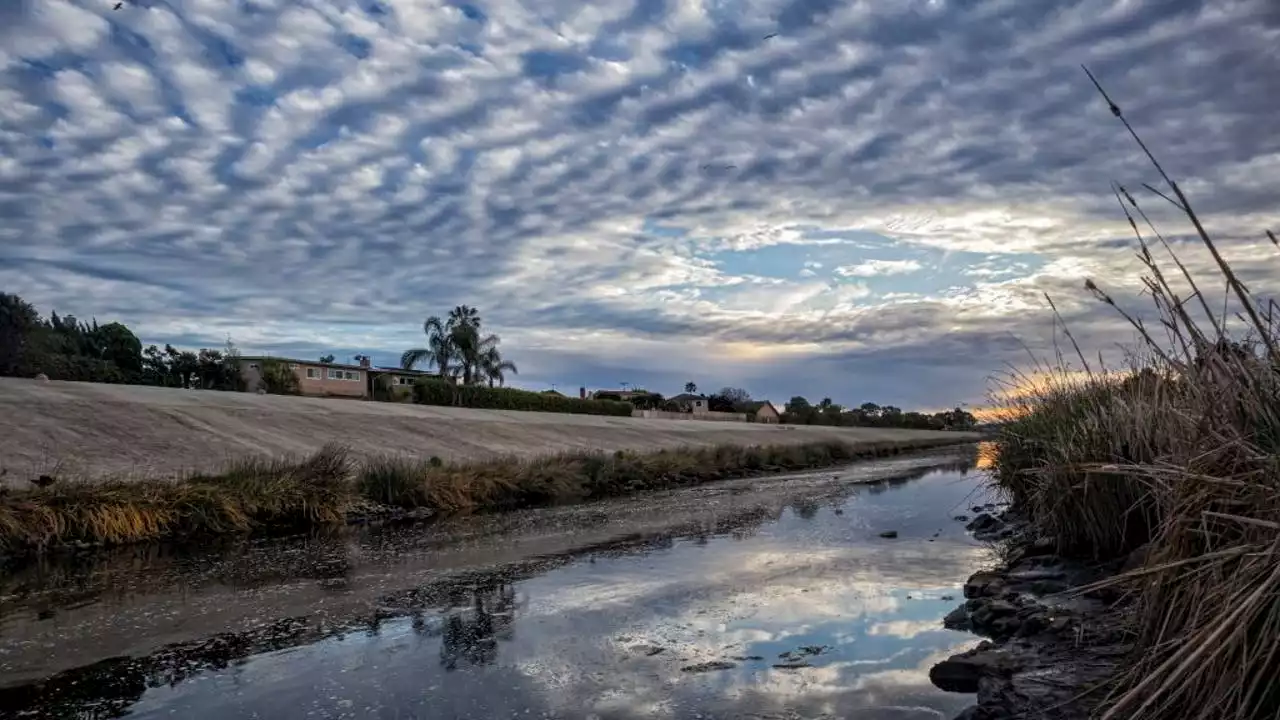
430, 391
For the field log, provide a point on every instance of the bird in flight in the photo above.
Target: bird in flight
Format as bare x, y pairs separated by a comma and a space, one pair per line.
770, 35
118, 6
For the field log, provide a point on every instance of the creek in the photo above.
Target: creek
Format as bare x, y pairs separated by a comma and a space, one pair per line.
771, 597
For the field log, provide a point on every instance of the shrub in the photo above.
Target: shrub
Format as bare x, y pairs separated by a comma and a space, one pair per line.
431, 391
277, 378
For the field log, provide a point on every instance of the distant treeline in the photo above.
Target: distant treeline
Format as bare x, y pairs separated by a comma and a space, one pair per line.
66, 348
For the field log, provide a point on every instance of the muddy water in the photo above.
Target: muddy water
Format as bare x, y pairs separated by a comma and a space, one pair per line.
769, 598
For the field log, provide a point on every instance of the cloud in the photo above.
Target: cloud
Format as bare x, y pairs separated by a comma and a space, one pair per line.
872, 268
320, 177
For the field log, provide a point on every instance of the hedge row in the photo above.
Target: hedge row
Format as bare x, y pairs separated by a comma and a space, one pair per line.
439, 392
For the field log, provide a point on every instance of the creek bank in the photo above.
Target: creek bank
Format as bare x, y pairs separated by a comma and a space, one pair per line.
265, 496
1053, 643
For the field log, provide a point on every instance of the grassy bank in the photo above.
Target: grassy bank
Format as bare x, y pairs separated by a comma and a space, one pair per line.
1178, 458
329, 486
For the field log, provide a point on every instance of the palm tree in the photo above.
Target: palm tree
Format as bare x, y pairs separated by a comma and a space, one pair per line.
493, 367
464, 316
439, 351
472, 349
690, 387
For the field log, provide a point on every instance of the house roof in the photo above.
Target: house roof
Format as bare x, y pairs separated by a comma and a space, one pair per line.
755, 406
313, 363
686, 397
401, 371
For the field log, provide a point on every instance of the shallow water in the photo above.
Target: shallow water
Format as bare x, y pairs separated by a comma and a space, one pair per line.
771, 598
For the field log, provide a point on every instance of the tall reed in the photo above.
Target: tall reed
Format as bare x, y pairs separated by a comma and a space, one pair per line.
1177, 455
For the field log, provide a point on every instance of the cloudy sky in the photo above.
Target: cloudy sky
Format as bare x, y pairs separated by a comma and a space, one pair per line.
861, 200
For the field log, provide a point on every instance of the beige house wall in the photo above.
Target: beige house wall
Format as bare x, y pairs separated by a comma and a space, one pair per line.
313, 379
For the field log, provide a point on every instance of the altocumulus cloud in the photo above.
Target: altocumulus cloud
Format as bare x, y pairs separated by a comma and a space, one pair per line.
867, 205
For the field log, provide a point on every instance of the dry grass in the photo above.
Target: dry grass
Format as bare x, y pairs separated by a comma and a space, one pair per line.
322, 489
1180, 453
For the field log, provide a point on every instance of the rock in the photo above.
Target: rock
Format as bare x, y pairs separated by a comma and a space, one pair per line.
1048, 587
708, 666
986, 522
648, 650
1032, 575
1006, 626
42, 378
1002, 607
1060, 625
748, 658
962, 518
982, 584
796, 665
947, 598
957, 619
890, 534
961, 673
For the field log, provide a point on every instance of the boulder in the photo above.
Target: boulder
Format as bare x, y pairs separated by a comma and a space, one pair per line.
957, 619
984, 521
984, 584
961, 673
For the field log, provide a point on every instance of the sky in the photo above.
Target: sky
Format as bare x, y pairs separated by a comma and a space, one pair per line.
867, 201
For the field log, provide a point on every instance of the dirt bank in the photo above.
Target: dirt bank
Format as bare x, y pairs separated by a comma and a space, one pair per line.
94, 430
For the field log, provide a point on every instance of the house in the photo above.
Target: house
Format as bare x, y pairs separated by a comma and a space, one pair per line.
315, 378
321, 379
624, 395
764, 412
688, 402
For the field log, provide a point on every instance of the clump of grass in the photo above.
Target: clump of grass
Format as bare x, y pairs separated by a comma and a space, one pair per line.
1181, 452
259, 493
250, 494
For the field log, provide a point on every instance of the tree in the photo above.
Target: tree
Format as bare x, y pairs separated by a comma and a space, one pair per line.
798, 405
120, 346
735, 396
326, 358
277, 378
691, 387
870, 410
494, 368
19, 322
439, 350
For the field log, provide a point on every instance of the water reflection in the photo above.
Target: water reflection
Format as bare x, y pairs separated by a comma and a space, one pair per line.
603, 628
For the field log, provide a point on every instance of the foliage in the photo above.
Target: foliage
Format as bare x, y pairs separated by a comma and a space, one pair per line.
1176, 455
647, 401
691, 387
323, 489
800, 412
327, 358
457, 347
64, 348
278, 378
433, 391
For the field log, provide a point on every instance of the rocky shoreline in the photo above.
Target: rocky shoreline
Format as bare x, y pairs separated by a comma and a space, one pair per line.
1053, 644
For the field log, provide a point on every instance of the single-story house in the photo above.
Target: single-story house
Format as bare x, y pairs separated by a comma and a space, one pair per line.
688, 402
764, 412
625, 395
321, 379
315, 378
